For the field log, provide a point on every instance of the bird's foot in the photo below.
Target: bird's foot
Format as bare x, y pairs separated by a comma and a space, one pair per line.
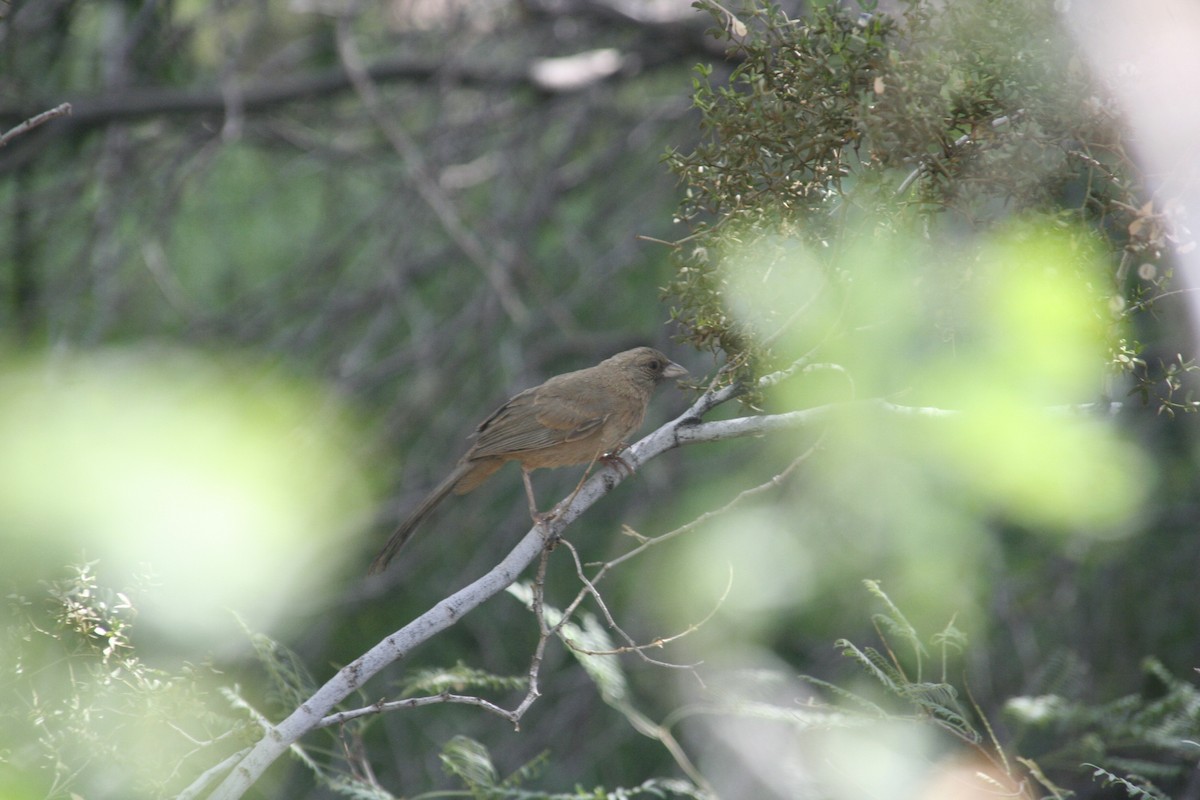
614, 460
541, 521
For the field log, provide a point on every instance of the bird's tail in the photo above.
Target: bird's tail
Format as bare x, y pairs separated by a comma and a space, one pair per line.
402, 533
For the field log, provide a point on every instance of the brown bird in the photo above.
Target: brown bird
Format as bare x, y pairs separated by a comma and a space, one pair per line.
574, 418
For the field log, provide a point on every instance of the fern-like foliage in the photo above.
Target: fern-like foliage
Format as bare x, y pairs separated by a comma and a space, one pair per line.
470, 762
1134, 743
289, 683
1134, 785
459, 678
1127, 742
1048, 746
937, 702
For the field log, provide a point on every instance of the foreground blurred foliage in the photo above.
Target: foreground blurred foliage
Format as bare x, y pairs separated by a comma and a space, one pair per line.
85, 714
996, 425
166, 462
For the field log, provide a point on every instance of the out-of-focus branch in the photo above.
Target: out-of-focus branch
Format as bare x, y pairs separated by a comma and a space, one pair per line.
497, 273
132, 103
60, 110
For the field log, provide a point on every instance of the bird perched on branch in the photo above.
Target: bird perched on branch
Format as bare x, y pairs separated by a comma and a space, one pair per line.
570, 419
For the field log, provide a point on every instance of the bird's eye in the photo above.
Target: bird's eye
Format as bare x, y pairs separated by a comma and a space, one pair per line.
655, 364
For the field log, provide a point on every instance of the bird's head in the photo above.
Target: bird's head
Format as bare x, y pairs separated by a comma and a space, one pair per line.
647, 366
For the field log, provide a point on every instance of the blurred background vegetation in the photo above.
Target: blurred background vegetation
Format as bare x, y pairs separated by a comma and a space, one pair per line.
282, 256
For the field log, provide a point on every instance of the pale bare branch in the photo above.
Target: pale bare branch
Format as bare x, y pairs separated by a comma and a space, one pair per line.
61, 110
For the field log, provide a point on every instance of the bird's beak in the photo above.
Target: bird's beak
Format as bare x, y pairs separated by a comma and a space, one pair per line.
673, 370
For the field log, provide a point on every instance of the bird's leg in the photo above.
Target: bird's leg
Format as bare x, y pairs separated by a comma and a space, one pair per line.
607, 458
571, 497
613, 458
533, 509
539, 519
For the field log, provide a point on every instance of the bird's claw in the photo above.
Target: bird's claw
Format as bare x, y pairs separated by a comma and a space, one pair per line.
614, 460
541, 521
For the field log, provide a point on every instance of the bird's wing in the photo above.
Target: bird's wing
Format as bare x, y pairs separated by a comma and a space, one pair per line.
535, 419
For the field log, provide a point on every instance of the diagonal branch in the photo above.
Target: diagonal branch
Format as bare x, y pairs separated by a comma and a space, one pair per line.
685, 429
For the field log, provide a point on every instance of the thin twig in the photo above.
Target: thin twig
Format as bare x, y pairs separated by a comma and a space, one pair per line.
415, 702
737, 500
647, 727
58, 111
354, 753
631, 645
